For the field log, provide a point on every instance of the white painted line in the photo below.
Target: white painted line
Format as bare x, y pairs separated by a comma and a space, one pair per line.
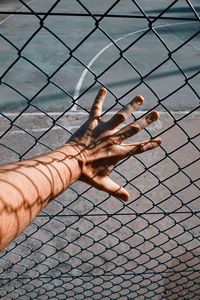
19, 9
82, 77
31, 130
84, 73
164, 115
73, 113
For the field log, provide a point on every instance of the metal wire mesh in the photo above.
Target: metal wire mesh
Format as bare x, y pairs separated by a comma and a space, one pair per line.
85, 244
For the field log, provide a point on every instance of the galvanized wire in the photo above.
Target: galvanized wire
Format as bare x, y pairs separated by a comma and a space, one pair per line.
104, 253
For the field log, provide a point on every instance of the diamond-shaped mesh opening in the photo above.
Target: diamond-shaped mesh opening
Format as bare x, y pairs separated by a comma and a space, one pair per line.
23, 83
44, 59
85, 244
9, 54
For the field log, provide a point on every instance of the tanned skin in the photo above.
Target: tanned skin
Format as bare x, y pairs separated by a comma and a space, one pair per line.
26, 187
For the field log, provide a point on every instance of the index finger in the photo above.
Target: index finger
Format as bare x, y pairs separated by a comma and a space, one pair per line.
124, 113
96, 109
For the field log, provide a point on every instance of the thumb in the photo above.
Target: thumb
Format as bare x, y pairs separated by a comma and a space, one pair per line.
106, 184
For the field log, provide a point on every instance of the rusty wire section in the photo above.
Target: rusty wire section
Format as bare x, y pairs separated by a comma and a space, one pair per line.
89, 246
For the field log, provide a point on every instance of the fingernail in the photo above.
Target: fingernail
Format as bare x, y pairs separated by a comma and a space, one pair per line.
126, 198
158, 141
103, 91
153, 116
139, 99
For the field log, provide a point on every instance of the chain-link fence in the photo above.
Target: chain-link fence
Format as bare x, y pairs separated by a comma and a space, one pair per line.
86, 244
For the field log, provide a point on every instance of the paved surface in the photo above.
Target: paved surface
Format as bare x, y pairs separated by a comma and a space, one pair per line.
145, 238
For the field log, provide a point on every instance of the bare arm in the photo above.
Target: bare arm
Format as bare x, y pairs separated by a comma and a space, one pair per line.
91, 153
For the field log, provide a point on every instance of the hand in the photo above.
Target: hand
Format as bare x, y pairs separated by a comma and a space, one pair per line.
99, 145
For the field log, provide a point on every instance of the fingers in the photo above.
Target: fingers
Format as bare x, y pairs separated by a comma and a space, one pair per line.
108, 185
96, 109
141, 147
133, 128
124, 113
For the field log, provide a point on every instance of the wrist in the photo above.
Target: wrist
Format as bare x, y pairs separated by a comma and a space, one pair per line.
69, 154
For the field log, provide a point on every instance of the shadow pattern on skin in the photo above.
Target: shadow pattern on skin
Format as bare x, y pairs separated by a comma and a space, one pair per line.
89, 156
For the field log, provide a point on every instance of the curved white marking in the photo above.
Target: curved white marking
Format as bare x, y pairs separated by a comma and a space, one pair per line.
82, 77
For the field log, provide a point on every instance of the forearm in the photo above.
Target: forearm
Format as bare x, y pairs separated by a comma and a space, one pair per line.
90, 155
27, 187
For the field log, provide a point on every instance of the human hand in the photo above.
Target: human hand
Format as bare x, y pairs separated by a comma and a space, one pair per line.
99, 145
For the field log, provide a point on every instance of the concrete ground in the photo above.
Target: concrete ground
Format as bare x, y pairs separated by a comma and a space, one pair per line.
86, 240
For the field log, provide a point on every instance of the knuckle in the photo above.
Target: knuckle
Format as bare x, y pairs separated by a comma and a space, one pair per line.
111, 141
121, 117
114, 140
134, 128
95, 107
